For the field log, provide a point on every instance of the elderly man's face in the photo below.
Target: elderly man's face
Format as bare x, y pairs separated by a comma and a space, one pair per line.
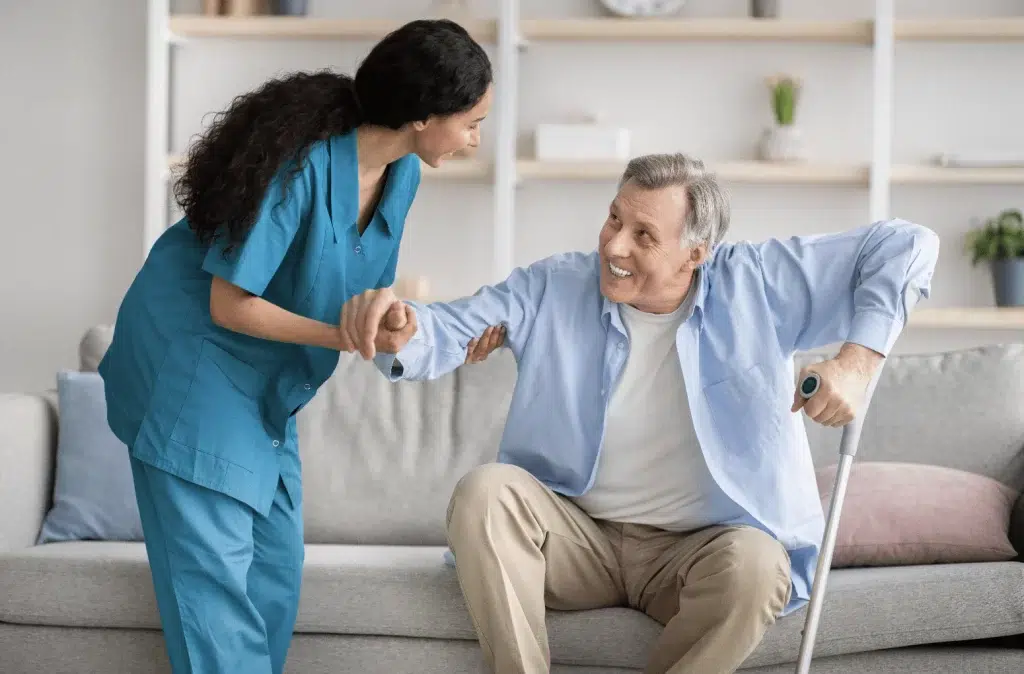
643, 261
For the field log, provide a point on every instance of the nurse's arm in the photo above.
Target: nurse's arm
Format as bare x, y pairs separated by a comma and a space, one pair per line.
236, 309
241, 276
445, 329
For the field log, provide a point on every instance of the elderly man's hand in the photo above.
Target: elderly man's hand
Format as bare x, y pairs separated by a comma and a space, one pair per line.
481, 347
376, 320
844, 381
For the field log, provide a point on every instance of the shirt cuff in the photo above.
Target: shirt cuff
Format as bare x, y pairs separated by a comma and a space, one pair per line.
394, 366
875, 331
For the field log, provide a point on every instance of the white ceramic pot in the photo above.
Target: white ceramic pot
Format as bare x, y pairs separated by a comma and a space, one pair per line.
782, 143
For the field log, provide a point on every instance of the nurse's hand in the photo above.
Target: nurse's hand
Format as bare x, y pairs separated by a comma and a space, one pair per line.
363, 321
396, 328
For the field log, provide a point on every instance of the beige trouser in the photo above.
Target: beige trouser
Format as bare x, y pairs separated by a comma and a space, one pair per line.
519, 548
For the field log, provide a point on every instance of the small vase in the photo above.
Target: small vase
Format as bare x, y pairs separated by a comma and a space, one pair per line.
764, 9
242, 7
1008, 281
782, 142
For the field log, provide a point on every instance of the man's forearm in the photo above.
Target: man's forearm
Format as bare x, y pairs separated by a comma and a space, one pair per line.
431, 353
860, 359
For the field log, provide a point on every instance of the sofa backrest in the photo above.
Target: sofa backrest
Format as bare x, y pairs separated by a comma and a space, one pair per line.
380, 460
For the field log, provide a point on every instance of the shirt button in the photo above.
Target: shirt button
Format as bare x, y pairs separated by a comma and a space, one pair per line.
306, 386
359, 249
275, 443
622, 345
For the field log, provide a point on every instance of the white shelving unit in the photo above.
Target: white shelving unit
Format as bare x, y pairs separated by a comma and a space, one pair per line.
512, 35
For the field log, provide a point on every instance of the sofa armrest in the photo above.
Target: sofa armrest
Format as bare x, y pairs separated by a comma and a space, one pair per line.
28, 444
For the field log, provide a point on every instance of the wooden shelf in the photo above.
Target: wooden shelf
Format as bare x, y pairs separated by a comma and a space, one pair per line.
292, 27
909, 174
615, 29
997, 29
744, 172
767, 173
751, 172
452, 169
725, 29
980, 318
458, 169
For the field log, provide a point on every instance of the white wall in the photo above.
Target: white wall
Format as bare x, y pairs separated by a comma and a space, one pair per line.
71, 138
74, 204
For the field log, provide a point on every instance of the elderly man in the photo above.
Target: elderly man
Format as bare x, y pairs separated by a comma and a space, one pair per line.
652, 456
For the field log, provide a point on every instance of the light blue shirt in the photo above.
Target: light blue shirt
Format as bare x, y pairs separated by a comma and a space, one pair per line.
756, 304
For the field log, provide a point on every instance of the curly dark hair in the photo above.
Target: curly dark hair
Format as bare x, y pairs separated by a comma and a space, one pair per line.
422, 69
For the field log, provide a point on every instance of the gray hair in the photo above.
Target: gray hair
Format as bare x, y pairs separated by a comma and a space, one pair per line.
707, 209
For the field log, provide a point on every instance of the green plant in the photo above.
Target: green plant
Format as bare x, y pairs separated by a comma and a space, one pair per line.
785, 94
999, 238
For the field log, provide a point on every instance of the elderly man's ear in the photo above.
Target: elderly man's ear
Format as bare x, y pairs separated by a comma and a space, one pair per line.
698, 254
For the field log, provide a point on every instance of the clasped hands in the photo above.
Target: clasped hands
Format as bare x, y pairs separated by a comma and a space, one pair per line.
378, 321
844, 382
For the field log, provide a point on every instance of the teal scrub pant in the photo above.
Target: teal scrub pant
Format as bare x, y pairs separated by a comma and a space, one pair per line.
226, 579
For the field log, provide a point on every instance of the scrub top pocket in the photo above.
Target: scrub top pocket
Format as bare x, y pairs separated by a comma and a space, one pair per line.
221, 411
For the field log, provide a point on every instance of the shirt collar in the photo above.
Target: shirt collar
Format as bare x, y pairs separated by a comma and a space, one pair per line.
695, 297
345, 185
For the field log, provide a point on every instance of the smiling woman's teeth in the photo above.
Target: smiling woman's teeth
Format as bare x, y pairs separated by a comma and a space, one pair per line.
617, 271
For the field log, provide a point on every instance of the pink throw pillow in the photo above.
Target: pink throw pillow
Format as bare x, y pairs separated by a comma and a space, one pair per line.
903, 513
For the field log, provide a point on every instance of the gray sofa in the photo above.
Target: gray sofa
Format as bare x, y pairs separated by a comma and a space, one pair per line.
380, 462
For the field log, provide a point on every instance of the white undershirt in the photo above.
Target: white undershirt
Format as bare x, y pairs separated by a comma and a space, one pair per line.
651, 469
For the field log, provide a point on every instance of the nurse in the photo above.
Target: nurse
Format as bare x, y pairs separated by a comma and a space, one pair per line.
294, 200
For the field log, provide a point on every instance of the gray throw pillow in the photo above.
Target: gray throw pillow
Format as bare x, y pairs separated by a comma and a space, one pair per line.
93, 495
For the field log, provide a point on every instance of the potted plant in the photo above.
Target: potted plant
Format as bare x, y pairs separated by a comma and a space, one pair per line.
783, 141
1000, 242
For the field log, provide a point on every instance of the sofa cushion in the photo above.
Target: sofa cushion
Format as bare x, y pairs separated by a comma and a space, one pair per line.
380, 459
93, 346
408, 591
906, 513
93, 492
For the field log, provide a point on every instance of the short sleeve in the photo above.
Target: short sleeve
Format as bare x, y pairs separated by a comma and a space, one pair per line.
387, 279
252, 263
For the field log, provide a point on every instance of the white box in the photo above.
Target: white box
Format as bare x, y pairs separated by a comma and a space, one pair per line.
581, 142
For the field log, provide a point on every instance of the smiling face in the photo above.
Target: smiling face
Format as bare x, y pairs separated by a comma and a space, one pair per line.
643, 262
437, 138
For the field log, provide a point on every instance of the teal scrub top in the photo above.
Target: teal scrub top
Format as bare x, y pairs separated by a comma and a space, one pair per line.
216, 407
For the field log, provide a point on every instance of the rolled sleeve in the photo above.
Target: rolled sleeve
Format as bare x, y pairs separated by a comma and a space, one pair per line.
855, 286
875, 331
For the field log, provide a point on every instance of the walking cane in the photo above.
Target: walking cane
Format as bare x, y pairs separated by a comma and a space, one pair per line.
847, 450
